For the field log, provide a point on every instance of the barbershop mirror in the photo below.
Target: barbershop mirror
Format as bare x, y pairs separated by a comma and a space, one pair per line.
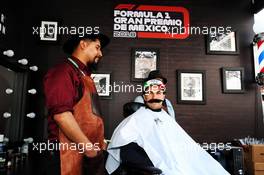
12, 103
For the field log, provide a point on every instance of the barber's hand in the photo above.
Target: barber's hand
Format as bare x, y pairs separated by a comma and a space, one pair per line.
92, 153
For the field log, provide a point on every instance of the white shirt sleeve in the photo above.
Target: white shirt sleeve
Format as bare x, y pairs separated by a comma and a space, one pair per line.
170, 109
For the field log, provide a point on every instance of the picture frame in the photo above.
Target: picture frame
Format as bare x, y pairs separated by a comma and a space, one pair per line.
233, 80
102, 83
191, 87
222, 44
49, 31
143, 60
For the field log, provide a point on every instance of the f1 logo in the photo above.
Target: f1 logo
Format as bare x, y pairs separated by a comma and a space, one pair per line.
167, 9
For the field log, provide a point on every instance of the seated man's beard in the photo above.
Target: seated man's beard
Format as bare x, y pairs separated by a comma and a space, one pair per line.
93, 66
154, 101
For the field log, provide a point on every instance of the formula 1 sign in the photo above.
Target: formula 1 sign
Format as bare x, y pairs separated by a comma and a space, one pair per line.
149, 21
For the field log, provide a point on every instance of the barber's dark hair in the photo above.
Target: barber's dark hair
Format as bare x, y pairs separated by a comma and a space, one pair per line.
86, 39
71, 44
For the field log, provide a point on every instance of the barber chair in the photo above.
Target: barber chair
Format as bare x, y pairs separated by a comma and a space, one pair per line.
129, 168
131, 107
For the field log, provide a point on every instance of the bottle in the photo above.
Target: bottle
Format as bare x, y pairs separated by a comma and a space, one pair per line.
24, 153
2, 154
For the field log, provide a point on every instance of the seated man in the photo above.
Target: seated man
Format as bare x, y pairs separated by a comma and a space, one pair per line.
167, 106
167, 145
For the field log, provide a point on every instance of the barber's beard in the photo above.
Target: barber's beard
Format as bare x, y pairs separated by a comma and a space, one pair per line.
94, 65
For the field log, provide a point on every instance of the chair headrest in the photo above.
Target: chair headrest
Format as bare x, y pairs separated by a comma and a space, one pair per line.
131, 107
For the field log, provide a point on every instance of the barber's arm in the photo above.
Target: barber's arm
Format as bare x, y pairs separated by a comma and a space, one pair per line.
71, 129
60, 93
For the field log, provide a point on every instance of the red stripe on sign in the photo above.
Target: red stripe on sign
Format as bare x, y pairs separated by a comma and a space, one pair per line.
125, 6
259, 43
186, 21
161, 35
160, 8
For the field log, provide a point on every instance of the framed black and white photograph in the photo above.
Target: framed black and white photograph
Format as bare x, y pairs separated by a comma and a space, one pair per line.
224, 43
191, 87
144, 60
233, 80
48, 30
102, 83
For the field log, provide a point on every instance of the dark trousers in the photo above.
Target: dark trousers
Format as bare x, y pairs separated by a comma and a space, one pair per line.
94, 166
91, 166
134, 154
133, 157
53, 163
